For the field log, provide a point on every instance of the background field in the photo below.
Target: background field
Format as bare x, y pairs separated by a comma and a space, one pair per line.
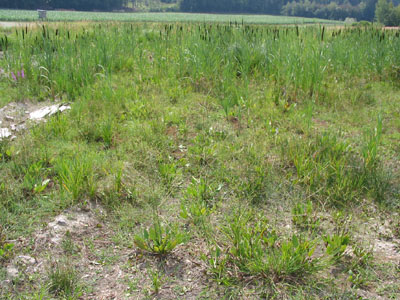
24, 15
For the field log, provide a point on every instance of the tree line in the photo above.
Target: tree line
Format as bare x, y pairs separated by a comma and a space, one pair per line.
385, 12
327, 9
105, 5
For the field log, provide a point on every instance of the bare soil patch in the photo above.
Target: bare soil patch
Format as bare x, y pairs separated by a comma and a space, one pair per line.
106, 270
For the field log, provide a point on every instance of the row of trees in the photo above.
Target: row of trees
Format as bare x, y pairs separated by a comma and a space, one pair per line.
248, 6
338, 9
105, 5
386, 12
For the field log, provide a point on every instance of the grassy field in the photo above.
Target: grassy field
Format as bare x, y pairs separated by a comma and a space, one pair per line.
201, 161
25, 15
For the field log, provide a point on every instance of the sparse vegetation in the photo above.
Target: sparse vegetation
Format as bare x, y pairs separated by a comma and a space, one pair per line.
237, 160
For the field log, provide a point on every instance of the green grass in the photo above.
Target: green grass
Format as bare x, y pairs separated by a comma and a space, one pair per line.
63, 281
25, 15
263, 157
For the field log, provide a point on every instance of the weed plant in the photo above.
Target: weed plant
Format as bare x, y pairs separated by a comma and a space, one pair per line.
160, 239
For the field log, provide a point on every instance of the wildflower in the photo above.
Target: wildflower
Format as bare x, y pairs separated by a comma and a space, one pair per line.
13, 76
22, 73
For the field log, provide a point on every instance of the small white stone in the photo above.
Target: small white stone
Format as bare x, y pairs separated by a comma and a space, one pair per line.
12, 272
27, 260
48, 111
64, 107
4, 133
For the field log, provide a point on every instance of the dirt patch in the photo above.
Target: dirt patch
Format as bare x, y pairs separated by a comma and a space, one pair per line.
386, 246
77, 236
388, 251
235, 122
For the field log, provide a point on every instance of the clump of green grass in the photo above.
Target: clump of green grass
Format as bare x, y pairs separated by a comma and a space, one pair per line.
199, 202
255, 186
169, 173
106, 132
35, 177
304, 217
63, 281
76, 176
157, 280
328, 166
336, 245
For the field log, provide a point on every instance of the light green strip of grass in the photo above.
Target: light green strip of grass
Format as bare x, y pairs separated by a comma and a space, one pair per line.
30, 15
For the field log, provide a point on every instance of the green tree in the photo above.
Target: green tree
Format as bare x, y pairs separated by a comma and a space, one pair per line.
369, 10
386, 14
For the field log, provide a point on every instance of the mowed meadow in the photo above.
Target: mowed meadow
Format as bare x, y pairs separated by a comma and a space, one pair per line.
206, 160
63, 16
